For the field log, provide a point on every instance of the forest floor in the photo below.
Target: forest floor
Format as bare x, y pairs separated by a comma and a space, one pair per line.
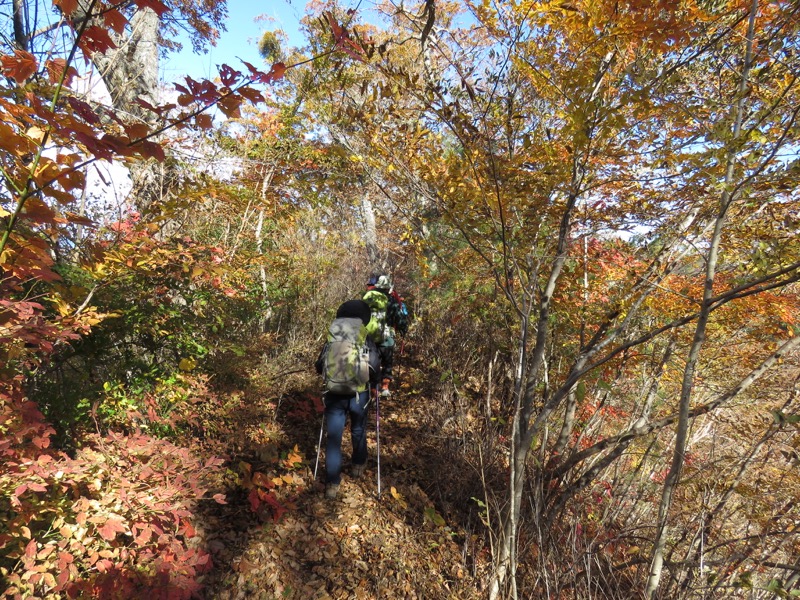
416, 540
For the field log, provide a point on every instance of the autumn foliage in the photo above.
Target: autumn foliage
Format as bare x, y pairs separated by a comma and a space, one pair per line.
591, 208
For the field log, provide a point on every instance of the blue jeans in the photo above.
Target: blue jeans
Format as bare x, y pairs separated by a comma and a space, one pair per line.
336, 409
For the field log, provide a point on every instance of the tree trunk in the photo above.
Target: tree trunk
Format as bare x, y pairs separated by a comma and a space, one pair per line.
687, 386
20, 31
131, 72
370, 232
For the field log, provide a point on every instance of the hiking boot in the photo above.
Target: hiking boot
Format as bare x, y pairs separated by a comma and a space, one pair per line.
358, 471
385, 393
331, 491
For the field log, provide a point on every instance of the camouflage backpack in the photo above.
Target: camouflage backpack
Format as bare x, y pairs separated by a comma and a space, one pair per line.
346, 357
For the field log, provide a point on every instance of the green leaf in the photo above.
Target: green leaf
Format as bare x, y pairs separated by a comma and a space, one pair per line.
774, 585
581, 391
604, 385
434, 517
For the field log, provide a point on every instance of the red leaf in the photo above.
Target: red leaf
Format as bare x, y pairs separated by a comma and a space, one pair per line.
150, 149
104, 565
136, 131
204, 121
144, 536
62, 579
219, 498
30, 549
255, 502
158, 7
77, 219
20, 66
64, 559
67, 6
38, 212
20, 490
277, 71
55, 70
253, 95
96, 39
336, 29
40, 442
116, 20
111, 528
84, 110
229, 105
228, 75
351, 48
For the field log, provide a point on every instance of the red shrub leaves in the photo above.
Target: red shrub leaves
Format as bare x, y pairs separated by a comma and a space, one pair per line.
114, 521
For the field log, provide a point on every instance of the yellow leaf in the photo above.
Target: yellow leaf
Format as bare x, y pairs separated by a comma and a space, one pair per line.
187, 364
35, 133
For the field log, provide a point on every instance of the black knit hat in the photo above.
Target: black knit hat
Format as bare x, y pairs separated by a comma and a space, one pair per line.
354, 309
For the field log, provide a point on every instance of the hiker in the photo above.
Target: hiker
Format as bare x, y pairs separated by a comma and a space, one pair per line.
389, 313
349, 362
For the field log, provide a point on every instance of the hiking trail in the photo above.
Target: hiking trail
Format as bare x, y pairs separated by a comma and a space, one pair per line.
409, 543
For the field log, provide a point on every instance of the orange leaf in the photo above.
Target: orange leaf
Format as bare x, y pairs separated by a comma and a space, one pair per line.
111, 528
55, 70
20, 66
30, 549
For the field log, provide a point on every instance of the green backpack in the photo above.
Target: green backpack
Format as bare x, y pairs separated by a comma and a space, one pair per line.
346, 357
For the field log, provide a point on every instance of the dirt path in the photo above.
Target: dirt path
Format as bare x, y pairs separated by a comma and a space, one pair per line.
357, 546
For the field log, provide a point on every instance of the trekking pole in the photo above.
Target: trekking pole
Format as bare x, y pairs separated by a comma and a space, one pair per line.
319, 445
378, 435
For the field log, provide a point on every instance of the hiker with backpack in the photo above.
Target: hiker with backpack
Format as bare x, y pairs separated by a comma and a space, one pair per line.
389, 315
349, 362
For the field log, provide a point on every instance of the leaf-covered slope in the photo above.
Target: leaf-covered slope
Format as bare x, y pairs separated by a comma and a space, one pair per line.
398, 545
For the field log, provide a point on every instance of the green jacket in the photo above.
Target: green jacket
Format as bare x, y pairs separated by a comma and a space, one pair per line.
377, 328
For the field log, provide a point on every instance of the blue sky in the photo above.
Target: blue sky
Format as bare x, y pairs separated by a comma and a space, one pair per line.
239, 40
